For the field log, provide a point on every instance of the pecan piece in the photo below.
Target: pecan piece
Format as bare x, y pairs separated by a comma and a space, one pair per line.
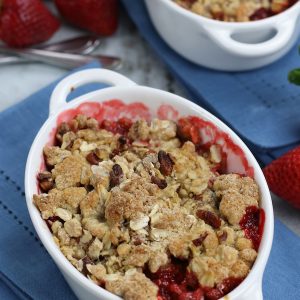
46, 182
166, 163
209, 218
86, 261
198, 242
61, 130
44, 175
161, 183
46, 185
92, 158
116, 175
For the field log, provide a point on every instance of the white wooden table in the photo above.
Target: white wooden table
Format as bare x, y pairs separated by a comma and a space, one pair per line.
140, 64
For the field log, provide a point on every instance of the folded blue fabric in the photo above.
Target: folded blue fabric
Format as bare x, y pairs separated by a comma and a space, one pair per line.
261, 106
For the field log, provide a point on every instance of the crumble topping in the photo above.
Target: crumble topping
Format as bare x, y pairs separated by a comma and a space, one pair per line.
125, 199
236, 10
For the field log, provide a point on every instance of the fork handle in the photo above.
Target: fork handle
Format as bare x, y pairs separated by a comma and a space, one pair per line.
65, 60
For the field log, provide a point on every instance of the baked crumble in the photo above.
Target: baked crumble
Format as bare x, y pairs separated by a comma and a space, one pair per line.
142, 209
236, 10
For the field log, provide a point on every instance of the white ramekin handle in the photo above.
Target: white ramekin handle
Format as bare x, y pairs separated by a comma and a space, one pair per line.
68, 84
224, 38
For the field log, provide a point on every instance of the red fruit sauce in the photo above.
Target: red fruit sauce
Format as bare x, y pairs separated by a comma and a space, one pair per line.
222, 289
253, 224
167, 112
175, 282
121, 126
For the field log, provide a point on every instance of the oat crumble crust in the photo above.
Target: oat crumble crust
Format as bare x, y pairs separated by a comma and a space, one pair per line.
236, 10
113, 211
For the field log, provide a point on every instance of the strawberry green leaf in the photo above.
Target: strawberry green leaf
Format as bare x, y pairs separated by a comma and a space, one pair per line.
294, 76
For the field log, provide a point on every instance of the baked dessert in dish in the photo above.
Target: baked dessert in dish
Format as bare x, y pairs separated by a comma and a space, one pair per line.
146, 209
236, 10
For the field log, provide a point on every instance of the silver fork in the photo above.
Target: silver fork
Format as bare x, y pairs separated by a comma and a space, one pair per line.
79, 45
62, 59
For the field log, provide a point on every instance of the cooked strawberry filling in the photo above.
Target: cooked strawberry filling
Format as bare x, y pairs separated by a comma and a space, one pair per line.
253, 224
175, 282
121, 126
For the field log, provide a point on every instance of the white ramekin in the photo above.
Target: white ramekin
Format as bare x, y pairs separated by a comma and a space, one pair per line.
126, 90
227, 46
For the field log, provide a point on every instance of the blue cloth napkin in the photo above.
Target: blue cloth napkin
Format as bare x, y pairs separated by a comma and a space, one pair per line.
26, 269
261, 106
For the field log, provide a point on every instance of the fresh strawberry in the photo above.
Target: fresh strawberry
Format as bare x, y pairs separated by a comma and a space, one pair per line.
283, 176
25, 22
98, 16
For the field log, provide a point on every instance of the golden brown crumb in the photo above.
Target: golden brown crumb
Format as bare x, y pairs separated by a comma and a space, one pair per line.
71, 172
55, 155
134, 286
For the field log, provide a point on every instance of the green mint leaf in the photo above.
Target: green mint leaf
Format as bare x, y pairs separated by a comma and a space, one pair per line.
294, 76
